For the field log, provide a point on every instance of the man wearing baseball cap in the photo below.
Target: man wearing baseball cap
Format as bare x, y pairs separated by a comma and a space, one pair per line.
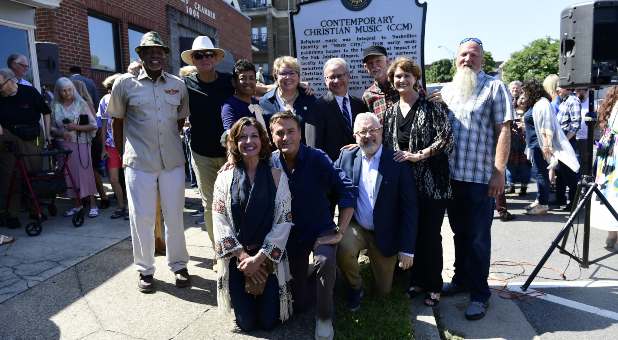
381, 94
148, 111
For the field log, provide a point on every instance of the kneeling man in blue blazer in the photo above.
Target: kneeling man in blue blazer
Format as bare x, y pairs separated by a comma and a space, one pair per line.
385, 215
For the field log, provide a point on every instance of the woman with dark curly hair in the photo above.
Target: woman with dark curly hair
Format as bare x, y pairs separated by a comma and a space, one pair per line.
545, 140
251, 221
419, 131
607, 156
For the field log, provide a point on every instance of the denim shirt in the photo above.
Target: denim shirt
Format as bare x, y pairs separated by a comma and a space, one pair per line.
313, 180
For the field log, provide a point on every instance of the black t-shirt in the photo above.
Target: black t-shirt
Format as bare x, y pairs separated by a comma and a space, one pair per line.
25, 107
404, 126
205, 102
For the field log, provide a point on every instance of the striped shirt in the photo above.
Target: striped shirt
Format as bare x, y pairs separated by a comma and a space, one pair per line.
474, 127
378, 100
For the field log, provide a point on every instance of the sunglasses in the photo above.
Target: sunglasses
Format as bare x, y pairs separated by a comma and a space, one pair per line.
201, 55
476, 40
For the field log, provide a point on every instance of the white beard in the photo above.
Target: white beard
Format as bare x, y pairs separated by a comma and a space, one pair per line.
463, 84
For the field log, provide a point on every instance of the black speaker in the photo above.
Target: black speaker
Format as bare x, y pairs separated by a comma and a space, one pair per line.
588, 48
47, 56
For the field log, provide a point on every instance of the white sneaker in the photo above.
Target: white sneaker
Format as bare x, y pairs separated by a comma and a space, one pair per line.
538, 209
324, 329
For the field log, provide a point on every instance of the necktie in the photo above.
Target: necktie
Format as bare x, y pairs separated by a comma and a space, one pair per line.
346, 112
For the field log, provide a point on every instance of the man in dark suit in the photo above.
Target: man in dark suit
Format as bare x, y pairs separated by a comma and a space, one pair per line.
336, 110
385, 215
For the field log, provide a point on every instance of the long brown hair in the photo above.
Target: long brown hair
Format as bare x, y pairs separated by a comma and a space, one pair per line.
234, 135
605, 109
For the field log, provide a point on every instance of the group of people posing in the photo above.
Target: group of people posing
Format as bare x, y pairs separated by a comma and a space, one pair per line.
288, 176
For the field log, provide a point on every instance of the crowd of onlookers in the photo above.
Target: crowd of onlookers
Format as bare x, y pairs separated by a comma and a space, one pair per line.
273, 163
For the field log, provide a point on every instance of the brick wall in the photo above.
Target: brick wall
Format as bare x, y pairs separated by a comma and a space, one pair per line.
68, 27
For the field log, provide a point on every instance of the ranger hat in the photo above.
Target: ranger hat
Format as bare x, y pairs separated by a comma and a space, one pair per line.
151, 39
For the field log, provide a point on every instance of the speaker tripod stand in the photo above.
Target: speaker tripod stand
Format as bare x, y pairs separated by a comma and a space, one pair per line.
588, 186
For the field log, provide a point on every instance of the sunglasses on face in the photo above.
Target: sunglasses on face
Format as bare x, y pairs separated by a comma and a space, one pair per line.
476, 40
202, 55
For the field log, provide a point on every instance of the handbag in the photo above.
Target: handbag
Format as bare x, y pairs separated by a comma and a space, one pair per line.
27, 132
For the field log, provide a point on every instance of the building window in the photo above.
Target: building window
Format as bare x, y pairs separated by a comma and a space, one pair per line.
135, 35
103, 44
259, 37
19, 44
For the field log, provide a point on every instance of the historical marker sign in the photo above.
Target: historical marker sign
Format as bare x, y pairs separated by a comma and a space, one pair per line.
323, 29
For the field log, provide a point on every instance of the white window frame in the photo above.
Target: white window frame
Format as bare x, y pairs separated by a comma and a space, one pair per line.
34, 64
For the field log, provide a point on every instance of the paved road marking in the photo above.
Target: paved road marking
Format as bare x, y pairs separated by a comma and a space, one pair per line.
568, 284
569, 303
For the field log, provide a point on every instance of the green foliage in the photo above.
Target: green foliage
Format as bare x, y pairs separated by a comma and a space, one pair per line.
535, 61
439, 72
379, 317
489, 64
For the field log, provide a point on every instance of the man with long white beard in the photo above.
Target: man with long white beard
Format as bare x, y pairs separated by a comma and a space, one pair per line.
480, 113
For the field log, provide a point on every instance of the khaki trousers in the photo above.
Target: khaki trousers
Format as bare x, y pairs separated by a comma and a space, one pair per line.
355, 239
7, 167
206, 169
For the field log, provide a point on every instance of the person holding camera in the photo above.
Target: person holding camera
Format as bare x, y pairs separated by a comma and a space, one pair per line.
74, 127
21, 108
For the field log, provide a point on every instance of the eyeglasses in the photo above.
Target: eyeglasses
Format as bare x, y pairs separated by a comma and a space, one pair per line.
286, 74
6, 81
336, 76
476, 40
23, 65
201, 55
368, 131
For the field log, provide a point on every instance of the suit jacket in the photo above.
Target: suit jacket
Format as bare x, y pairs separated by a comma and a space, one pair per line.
332, 130
395, 212
304, 105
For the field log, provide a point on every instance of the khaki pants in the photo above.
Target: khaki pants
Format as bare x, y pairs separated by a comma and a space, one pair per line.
205, 169
7, 167
355, 239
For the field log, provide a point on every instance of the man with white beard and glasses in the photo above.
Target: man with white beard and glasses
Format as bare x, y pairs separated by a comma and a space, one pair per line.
480, 114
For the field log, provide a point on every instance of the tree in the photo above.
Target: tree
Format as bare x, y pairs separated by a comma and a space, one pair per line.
535, 61
489, 64
439, 72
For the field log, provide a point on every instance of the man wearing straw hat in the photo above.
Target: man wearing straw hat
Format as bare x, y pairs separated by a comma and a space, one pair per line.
207, 89
148, 111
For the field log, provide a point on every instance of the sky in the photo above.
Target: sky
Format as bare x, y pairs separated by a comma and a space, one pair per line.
504, 26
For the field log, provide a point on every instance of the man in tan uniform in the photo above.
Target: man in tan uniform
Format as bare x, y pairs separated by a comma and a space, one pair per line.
148, 111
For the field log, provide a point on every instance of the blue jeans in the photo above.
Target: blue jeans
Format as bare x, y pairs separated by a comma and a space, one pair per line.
519, 173
470, 213
542, 175
253, 311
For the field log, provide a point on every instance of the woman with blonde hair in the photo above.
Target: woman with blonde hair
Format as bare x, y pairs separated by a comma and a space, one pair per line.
288, 95
550, 85
74, 127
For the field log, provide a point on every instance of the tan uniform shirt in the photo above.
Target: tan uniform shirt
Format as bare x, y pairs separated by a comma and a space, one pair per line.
150, 110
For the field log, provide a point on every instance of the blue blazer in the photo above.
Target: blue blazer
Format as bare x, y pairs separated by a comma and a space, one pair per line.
395, 213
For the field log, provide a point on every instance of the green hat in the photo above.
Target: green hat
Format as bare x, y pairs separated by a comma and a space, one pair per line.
151, 39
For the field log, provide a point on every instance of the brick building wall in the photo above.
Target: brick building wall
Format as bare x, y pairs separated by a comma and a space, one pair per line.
68, 27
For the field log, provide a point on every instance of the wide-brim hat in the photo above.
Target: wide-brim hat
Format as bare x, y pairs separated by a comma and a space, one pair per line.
151, 39
202, 43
